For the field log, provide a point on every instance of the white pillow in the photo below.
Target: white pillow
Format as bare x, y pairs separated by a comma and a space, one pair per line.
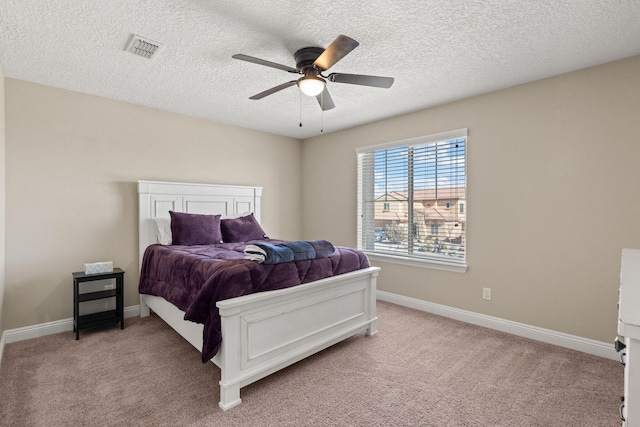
163, 230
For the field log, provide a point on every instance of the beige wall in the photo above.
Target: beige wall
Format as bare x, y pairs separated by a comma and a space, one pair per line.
541, 157
72, 163
2, 197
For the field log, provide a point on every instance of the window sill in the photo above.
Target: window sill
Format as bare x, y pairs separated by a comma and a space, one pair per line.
423, 263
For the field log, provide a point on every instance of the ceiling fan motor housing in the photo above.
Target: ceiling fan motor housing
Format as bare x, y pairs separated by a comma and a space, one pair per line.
306, 56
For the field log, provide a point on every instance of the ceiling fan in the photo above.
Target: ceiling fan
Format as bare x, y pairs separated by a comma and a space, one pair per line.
311, 62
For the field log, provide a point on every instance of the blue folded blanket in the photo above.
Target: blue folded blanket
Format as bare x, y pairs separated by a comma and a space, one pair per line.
277, 253
323, 248
268, 253
301, 250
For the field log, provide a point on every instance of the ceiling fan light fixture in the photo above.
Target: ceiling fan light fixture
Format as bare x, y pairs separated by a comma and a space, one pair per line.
311, 85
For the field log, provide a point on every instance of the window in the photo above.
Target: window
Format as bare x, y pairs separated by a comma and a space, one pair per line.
415, 174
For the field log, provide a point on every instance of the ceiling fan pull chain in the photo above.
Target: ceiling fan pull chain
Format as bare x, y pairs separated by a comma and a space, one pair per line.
322, 113
300, 109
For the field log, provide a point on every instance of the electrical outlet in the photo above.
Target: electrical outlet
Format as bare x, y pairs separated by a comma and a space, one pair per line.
109, 287
486, 293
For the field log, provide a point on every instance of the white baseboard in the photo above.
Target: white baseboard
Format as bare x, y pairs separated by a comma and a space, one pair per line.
65, 325
2, 340
585, 345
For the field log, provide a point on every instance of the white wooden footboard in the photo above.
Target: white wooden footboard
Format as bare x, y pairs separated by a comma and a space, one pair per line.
265, 332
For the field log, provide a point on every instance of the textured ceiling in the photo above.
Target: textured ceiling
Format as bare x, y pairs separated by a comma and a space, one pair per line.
437, 51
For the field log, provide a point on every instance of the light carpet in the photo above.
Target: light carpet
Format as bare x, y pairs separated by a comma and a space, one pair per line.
419, 370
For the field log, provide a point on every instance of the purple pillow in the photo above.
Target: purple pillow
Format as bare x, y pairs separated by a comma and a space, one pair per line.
195, 229
241, 229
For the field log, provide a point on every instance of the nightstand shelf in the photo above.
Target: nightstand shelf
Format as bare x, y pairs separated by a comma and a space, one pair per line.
102, 317
90, 296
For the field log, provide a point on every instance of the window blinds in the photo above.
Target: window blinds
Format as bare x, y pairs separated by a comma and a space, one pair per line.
412, 197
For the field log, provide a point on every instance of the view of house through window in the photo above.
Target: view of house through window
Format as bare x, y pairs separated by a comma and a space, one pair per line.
412, 197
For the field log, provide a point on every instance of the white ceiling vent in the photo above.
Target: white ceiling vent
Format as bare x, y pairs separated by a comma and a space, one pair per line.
142, 47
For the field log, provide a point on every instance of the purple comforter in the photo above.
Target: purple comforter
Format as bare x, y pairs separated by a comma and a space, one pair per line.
194, 278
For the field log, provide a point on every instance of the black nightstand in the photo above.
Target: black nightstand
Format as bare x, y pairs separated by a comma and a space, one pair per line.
103, 317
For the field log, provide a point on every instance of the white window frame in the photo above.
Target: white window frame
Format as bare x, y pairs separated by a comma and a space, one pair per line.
366, 188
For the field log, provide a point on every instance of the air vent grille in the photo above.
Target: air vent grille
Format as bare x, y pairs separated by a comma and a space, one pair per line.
142, 47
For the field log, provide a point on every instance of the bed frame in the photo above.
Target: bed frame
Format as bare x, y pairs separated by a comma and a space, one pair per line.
267, 331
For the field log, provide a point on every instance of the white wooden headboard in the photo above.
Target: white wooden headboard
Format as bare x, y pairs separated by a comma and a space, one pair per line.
157, 198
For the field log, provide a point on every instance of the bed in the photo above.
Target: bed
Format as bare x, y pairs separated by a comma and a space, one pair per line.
266, 331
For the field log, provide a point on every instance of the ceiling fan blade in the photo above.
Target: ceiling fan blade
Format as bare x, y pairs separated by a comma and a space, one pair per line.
325, 101
264, 62
337, 50
360, 79
274, 90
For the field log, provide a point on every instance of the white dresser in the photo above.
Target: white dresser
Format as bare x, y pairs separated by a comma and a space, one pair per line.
629, 328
